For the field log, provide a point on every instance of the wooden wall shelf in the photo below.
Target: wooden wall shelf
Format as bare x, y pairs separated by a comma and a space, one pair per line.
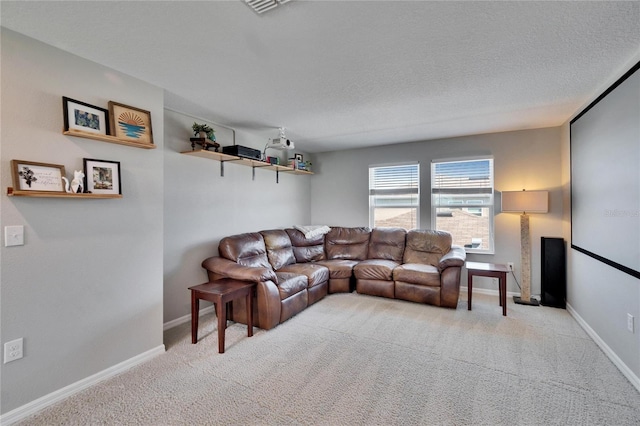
107, 138
224, 158
50, 194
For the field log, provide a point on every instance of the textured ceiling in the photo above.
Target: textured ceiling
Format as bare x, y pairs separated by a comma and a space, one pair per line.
352, 74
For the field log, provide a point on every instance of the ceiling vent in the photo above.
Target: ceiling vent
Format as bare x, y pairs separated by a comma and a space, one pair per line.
261, 6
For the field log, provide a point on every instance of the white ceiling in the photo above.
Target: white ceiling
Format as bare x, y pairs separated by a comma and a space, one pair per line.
349, 74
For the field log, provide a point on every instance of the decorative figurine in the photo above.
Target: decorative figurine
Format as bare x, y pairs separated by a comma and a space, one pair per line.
77, 185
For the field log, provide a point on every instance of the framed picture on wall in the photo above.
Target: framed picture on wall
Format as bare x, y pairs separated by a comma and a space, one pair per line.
32, 176
84, 117
130, 123
102, 176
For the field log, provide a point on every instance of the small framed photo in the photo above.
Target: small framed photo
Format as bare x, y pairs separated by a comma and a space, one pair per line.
130, 123
299, 158
102, 176
84, 117
31, 176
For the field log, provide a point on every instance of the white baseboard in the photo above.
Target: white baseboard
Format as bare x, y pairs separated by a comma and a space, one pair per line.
50, 399
186, 318
626, 371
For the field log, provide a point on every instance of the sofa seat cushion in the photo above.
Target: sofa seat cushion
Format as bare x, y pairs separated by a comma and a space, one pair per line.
290, 284
316, 274
375, 269
417, 273
339, 268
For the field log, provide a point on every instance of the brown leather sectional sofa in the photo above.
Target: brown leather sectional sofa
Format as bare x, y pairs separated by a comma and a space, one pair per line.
294, 272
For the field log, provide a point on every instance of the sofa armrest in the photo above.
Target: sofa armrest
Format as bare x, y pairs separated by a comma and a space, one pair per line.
450, 287
455, 257
268, 308
221, 267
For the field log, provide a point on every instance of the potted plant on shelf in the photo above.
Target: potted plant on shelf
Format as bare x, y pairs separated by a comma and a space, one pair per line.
204, 131
207, 137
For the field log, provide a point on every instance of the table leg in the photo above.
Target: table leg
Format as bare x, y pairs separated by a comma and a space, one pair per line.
195, 311
469, 289
250, 313
222, 324
503, 293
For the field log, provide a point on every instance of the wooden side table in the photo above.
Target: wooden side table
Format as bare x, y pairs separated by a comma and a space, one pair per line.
493, 270
221, 292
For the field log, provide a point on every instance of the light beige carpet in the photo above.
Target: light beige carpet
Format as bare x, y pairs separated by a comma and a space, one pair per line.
353, 359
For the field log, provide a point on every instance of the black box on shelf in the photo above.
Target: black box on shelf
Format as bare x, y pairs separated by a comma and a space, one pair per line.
242, 151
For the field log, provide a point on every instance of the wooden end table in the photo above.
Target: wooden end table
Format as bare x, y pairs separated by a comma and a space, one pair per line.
221, 292
493, 270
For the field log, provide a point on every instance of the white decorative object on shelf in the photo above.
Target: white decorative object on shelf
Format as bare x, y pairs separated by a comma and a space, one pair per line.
77, 183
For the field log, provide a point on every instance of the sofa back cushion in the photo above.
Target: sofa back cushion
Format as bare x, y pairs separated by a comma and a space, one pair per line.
279, 249
387, 243
347, 243
306, 250
245, 249
426, 246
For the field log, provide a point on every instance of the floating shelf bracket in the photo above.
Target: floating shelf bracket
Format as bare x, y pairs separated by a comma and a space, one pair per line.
253, 170
222, 165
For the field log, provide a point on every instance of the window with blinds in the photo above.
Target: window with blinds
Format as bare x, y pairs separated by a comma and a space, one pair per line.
394, 196
462, 202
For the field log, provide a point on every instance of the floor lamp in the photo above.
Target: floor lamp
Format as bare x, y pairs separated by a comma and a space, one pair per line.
525, 202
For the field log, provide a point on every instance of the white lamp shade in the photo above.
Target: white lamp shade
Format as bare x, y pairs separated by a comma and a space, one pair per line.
525, 201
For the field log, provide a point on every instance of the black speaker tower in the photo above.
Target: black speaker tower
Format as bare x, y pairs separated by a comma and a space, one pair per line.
554, 275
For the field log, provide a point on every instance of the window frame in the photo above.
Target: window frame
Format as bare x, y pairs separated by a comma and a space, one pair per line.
467, 205
372, 205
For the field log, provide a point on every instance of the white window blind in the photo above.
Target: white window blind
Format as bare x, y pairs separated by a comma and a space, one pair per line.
462, 202
394, 196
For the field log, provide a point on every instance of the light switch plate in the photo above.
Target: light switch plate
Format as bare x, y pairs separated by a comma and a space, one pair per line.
13, 235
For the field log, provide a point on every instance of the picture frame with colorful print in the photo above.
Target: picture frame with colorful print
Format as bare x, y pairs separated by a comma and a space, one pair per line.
130, 123
84, 117
33, 176
102, 176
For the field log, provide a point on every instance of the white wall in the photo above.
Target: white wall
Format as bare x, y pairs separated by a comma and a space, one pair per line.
529, 159
85, 291
201, 206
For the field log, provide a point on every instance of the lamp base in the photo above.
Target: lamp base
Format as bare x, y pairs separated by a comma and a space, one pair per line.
530, 302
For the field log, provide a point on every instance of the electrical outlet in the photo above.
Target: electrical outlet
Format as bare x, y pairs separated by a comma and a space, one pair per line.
510, 265
13, 350
630, 322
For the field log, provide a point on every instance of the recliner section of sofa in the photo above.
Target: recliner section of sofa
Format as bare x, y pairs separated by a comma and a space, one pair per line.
293, 272
344, 249
374, 275
281, 256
